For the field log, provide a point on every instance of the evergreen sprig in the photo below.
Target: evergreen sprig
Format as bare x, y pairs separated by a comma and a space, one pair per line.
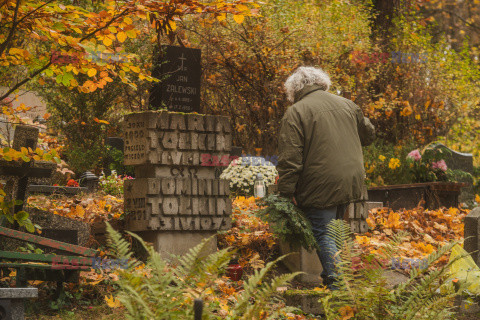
288, 222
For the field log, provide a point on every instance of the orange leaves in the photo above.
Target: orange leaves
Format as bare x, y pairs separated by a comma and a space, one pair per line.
249, 234
425, 248
100, 121
238, 18
427, 229
112, 302
121, 36
393, 221
92, 72
346, 312
88, 208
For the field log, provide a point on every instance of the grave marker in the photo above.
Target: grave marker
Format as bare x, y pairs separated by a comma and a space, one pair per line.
472, 234
179, 70
24, 136
459, 161
174, 200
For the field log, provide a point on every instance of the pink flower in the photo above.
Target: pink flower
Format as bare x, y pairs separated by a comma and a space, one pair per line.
415, 155
440, 165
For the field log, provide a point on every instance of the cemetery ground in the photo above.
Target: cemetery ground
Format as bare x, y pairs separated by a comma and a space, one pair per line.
423, 232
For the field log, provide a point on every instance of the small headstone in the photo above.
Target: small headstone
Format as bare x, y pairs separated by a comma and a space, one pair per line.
49, 190
89, 180
472, 234
18, 174
179, 71
60, 228
459, 161
455, 160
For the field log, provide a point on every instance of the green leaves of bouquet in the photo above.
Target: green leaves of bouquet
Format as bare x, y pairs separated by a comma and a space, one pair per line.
287, 221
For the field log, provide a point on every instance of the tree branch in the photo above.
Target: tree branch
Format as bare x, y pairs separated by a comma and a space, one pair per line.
4, 45
21, 83
45, 67
124, 12
33, 11
469, 24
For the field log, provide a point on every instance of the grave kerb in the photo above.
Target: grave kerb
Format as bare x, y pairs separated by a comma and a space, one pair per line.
472, 234
12, 300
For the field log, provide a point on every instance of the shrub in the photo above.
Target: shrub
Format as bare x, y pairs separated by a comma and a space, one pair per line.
385, 163
242, 173
159, 291
113, 184
364, 292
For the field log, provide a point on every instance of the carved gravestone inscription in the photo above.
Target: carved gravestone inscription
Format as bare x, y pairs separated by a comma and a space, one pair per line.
172, 190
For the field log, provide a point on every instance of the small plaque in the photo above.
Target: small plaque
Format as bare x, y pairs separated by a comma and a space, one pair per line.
179, 71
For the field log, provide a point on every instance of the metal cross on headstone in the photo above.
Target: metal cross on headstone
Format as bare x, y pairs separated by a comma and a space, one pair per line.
25, 136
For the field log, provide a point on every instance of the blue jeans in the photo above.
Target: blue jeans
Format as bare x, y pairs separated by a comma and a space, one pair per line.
320, 218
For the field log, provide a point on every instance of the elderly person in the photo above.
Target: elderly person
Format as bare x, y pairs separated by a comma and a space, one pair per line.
320, 156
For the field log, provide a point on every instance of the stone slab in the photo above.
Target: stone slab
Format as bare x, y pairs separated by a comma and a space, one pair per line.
49, 220
302, 260
308, 303
169, 243
18, 293
12, 301
46, 189
472, 234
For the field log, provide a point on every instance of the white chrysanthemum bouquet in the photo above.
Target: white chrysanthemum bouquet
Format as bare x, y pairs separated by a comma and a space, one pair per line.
243, 171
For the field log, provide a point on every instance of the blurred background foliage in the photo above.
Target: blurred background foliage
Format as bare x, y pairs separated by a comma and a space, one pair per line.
411, 65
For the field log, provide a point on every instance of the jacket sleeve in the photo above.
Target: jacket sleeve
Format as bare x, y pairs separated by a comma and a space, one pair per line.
366, 130
290, 148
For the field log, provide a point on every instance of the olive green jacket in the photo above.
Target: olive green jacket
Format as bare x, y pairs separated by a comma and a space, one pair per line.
320, 150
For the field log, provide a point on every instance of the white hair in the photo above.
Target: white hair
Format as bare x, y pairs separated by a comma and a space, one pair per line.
306, 76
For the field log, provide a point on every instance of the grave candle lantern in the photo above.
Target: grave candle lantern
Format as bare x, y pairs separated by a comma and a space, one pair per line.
235, 270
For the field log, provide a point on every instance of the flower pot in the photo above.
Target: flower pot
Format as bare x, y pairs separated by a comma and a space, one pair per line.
430, 195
